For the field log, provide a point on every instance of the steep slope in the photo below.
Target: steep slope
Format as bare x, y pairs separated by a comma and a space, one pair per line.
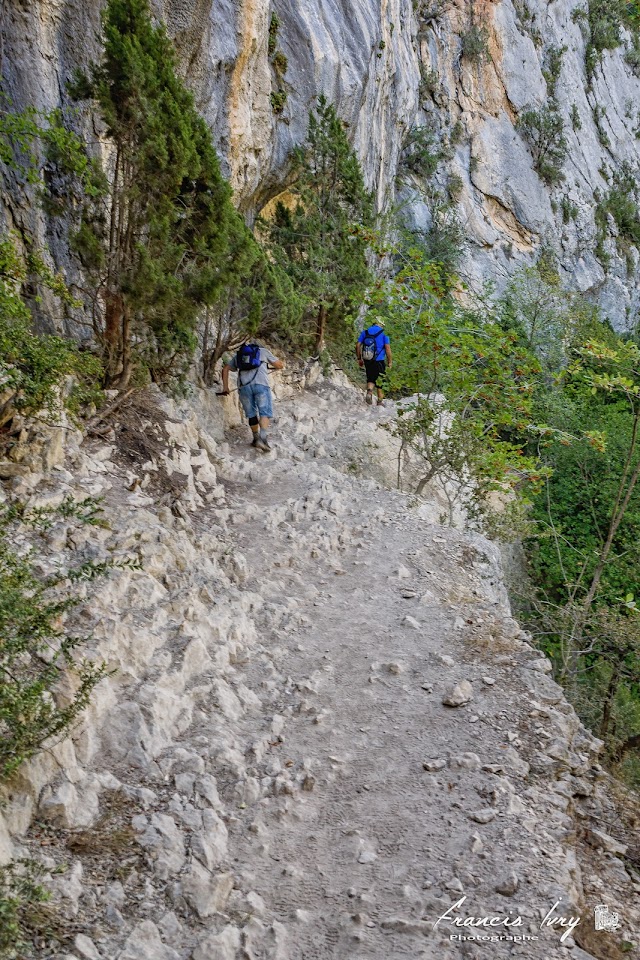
391, 65
270, 771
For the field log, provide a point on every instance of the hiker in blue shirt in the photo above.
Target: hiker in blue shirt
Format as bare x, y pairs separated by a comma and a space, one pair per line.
252, 363
373, 350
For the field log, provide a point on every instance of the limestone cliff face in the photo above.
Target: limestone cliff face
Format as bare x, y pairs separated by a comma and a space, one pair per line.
371, 58
507, 209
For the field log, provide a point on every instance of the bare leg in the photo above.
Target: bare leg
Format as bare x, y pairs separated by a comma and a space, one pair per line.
262, 441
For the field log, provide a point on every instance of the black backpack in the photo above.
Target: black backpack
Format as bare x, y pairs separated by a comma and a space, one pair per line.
248, 357
370, 347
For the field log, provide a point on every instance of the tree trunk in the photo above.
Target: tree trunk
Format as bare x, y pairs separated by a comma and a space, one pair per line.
321, 322
127, 368
612, 689
112, 330
425, 480
219, 348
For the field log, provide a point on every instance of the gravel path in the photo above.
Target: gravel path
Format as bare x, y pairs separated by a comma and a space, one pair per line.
270, 772
373, 848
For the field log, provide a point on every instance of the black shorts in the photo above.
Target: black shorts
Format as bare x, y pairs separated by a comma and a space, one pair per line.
374, 370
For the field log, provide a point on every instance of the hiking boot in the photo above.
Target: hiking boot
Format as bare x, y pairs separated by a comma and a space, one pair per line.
381, 403
254, 442
262, 445
369, 397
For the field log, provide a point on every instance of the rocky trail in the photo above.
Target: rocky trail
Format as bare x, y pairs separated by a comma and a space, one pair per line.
324, 728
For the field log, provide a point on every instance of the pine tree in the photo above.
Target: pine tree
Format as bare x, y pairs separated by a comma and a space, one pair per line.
170, 241
322, 240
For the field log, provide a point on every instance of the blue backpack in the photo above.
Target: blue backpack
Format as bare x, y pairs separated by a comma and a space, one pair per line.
248, 357
370, 348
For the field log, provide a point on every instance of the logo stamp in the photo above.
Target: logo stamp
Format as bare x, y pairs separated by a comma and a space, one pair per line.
605, 919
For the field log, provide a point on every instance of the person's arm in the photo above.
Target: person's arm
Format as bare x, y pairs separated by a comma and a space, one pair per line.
272, 361
387, 350
359, 353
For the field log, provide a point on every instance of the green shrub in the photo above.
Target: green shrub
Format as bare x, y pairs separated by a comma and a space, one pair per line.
632, 56
278, 100
552, 68
599, 113
543, 129
576, 122
35, 368
21, 907
475, 43
280, 63
457, 132
455, 186
35, 648
429, 83
621, 204
420, 154
604, 21
569, 210
274, 26
443, 242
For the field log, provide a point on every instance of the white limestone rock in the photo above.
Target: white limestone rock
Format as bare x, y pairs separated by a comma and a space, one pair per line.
458, 694
144, 943
205, 891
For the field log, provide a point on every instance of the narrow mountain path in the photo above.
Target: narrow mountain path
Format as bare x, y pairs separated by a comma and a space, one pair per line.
270, 771
372, 848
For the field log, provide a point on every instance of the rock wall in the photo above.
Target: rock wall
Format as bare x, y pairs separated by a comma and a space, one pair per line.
370, 57
507, 210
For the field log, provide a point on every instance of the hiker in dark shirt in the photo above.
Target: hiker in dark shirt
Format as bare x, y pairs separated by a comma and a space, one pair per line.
373, 350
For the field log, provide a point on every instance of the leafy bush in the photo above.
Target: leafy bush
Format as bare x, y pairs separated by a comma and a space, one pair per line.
576, 122
35, 649
632, 56
543, 129
420, 154
280, 63
274, 26
278, 100
603, 22
21, 907
475, 43
429, 83
470, 439
443, 243
552, 68
569, 210
621, 204
599, 113
455, 186
33, 369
